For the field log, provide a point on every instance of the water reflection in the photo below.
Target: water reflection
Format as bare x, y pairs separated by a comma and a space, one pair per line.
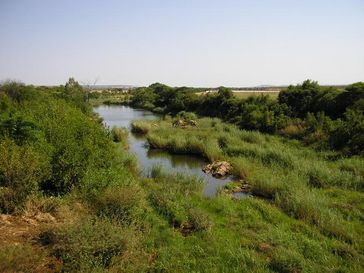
177, 161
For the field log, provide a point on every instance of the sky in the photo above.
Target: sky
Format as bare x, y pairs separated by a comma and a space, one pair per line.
201, 43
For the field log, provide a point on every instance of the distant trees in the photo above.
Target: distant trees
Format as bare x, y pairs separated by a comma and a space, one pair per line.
313, 98
349, 132
352, 97
74, 93
144, 98
301, 99
306, 111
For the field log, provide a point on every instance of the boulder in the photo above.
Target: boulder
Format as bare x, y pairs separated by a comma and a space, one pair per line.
218, 168
179, 123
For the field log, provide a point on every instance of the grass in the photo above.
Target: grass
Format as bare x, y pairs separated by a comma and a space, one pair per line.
236, 236
252, 93
141, 127
306, 216
244, 95
120, 135
299, 181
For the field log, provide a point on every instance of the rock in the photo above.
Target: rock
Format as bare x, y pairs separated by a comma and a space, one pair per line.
218, 168
193, 122
179, 123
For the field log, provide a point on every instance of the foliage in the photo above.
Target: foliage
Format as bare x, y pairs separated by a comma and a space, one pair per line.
306, 214
119, 134
307, 111
140, 126
21, 171
21, 259
92, 244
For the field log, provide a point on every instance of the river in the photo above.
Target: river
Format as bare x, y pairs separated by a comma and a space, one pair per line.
122, 116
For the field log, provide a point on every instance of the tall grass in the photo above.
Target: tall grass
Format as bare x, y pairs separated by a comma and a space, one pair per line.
294, 177
119, 134
140, 126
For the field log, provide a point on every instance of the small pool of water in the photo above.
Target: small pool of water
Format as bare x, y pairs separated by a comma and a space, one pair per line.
122, 116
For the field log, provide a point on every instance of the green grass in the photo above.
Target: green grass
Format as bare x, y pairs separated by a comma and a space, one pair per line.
236, 236
120, 135
306, 216
141, 126
298, 182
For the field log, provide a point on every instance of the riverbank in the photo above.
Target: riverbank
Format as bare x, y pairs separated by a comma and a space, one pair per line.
123, 116
72, 200
304, 184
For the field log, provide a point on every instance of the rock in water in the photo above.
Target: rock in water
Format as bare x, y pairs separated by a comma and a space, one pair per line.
218, 168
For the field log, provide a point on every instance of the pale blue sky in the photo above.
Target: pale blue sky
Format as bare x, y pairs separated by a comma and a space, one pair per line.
184, 42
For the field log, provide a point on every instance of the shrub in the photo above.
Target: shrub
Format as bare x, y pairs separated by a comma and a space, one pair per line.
199, 220
186, 116
293, 131
21, 171
122, 203
119, 134
159, 110
21, 258
349, 134
92, 244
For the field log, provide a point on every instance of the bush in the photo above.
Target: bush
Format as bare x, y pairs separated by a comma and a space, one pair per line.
123, 204
159, 110
21, 258
199, 220
186, 116
349, 134
119, 134
92, 244
21, 171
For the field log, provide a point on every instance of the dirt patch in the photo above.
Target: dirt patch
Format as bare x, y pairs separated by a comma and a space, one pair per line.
21, 229
19, 237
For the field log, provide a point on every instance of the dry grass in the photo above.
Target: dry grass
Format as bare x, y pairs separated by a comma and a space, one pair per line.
246, 94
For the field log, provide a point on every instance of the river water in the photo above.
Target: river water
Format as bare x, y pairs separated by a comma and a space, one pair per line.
122, 116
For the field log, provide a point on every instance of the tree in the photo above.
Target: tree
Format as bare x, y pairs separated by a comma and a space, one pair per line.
74, 93
352, 94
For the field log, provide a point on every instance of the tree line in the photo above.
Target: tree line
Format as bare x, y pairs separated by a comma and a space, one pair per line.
325, 117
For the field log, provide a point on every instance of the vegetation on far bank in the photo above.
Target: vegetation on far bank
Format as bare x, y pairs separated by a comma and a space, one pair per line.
324, 117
